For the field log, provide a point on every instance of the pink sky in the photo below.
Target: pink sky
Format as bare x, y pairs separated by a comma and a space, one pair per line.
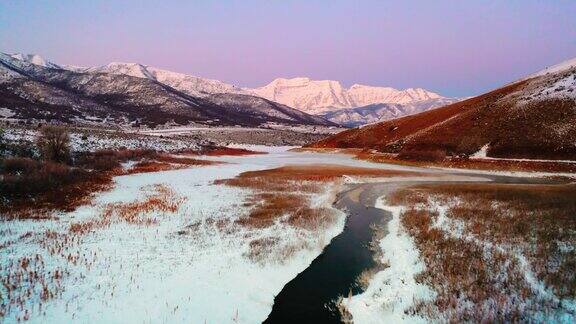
457, 48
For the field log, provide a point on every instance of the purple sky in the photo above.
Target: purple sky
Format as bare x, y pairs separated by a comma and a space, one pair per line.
457, 48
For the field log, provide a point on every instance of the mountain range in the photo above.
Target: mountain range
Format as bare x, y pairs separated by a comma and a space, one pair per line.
327, 99
32, 88
533, 118
354, 106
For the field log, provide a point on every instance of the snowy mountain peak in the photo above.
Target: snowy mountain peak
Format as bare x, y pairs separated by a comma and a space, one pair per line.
34, 59
319, 96
132, 69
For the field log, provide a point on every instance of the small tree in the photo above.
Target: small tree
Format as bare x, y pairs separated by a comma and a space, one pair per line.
54, 143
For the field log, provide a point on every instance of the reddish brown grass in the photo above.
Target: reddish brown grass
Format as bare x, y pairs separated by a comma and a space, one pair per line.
383, 136
162, 200
283, 194
165, 162
320, 173
285, 190
527, 219
422, 154
30, 189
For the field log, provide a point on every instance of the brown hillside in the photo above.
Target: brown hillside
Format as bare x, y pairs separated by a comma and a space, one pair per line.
516, 121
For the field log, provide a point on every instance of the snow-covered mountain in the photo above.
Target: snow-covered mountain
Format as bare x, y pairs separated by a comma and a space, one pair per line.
191, 85
35, 59
319, 97
32, 88
357, 105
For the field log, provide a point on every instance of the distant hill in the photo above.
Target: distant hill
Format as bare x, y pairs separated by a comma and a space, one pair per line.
353, 117
533, 118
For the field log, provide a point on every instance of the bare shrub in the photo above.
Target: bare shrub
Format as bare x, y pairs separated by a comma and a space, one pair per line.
107, 160
48, 185
54, 144
18, 165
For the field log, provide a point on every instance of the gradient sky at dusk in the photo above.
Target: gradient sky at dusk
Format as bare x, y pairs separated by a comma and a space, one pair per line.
457, 48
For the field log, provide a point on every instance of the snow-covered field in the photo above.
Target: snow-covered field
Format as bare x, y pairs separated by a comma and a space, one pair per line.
91, 140
189, 265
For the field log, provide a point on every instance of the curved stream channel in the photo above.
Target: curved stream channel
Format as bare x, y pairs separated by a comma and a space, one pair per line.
311, 296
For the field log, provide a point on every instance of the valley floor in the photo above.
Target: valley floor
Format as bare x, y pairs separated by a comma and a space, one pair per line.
216, 243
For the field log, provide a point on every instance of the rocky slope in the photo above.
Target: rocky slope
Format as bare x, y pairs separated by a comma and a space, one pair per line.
533, 118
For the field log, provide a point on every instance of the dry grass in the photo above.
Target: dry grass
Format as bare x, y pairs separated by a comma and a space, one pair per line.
29, 279
221, 151
161, 200
285, 191
284, 195
481, 278
31, 189
537, 129
165, 162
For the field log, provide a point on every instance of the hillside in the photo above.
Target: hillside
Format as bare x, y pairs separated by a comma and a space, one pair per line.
533, 118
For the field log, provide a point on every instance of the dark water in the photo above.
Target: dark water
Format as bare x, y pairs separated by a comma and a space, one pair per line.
309, 298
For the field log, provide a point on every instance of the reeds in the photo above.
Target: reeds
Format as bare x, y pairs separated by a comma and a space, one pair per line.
478, 274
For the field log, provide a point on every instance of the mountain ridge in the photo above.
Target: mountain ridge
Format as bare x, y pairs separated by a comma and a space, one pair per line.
325, 98
45, 92
321, 96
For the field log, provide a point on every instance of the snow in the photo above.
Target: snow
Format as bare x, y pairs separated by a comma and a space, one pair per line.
374, 113
193, 267
34, 59
191, 85
102, 140
457, 230
320, 96
393, 290
563, 88
155, 274
481, 154
566, 65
